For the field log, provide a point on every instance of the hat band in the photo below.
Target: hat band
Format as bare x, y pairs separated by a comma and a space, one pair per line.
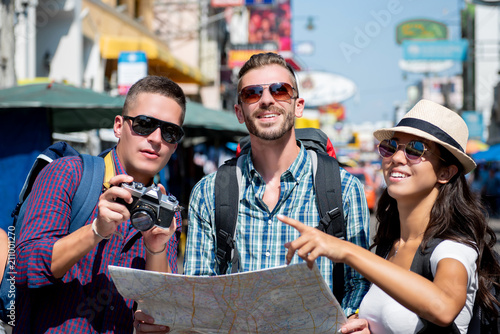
431, 129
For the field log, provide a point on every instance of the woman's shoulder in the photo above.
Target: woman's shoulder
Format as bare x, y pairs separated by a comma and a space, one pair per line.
455, 248
452, 244
450, 249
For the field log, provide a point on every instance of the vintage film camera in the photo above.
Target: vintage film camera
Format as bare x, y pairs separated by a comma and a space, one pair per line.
150, 207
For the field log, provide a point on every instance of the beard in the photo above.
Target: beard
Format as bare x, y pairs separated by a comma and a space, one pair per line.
266, 132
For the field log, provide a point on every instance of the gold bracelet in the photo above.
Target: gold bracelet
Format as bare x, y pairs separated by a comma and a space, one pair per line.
153, 253
97, 233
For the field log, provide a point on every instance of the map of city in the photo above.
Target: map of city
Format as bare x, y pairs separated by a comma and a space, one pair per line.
288, 299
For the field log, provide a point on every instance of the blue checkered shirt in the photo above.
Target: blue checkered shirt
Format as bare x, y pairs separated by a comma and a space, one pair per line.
260, 236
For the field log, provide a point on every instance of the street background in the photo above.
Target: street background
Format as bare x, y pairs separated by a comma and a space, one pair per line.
493, 222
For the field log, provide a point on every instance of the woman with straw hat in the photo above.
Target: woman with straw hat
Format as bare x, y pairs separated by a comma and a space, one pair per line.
427, 198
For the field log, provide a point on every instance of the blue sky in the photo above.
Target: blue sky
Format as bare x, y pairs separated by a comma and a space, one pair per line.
372, 63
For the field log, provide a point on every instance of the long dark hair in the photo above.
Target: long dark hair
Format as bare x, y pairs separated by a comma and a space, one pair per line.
457, 215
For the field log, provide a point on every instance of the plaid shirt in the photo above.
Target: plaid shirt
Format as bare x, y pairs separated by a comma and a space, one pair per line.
260, 236
84, 300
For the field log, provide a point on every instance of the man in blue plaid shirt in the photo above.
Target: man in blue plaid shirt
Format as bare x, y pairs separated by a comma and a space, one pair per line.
277, 180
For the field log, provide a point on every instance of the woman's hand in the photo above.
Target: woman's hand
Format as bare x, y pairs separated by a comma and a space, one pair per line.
357, 326
312, 243
144, 323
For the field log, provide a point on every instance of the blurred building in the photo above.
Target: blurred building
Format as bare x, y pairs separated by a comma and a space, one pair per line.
475, 91
80, 41
482, 28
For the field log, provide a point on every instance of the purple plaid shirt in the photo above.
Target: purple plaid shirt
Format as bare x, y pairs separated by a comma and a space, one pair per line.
85, 300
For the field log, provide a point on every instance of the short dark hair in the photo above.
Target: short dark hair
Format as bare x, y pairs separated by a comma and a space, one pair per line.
264, 59
156, 85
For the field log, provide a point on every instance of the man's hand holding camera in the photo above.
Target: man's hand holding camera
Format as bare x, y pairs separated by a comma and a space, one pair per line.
111, 213
156, 238
117, 203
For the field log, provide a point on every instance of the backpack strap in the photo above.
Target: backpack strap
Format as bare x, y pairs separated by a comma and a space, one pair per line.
326, 174
421, 265
54, 151
227, 198
88, 192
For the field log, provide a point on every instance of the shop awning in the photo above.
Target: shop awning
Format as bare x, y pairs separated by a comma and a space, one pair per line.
160, 59
72, 109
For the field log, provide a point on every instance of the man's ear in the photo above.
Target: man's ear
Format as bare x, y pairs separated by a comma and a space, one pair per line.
299, 107
238, 110
446, 173
118, 126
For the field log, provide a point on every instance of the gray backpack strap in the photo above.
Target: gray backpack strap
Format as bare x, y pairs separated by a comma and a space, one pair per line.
227, 199
328, 187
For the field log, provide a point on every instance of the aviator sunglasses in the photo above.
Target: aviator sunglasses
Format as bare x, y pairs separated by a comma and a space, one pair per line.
145, 125
280, 91
414, 150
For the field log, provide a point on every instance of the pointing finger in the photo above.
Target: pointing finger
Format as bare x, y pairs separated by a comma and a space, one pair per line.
293, 223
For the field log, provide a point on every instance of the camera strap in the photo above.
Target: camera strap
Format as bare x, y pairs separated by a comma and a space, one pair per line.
109, 170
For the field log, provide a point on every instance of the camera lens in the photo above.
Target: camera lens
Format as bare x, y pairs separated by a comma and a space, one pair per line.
142, 220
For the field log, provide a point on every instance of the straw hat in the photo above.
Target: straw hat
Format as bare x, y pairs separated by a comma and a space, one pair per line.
436, 123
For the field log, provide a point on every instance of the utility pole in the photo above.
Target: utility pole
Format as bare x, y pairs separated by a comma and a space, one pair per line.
7, 44
468, 32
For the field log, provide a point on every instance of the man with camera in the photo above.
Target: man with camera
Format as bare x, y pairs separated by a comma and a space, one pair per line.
63, 284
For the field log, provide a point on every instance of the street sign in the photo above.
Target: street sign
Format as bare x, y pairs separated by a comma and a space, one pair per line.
474, 121
421, 30
435, 50
323, 88
305, 48
425, 66
132, 66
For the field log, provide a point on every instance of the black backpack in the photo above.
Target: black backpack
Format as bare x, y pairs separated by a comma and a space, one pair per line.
328, 188
480, 322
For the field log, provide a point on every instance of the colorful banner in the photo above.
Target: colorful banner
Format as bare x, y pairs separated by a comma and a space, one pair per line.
271, 24
335, 109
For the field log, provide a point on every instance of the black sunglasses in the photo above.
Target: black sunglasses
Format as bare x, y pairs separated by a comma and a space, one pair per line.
280, 91
414, 150
145, 125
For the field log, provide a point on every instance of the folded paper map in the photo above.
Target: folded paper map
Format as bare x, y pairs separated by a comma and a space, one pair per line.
288, 299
